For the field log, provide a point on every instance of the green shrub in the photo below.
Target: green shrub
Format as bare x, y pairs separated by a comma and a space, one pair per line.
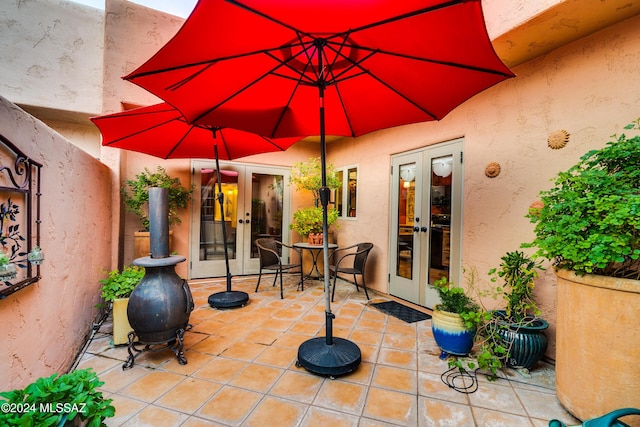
120, 284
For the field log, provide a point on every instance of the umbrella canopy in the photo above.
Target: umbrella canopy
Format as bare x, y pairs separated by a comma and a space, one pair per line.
324, 67
380, 63
161, 131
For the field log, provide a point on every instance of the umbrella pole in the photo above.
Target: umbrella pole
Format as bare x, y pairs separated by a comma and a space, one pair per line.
327, 356
229, 298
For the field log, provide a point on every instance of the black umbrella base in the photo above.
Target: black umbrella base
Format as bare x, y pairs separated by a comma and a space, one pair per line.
228, 299
339, 358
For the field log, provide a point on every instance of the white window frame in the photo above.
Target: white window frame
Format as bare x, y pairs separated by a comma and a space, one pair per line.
345, 191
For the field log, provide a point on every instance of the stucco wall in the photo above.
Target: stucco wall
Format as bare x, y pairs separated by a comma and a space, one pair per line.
589, 88
44, 325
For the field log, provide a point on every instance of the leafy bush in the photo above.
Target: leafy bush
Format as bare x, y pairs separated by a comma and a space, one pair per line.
49, 401
589, 222
309, 220
136, 194
120, 284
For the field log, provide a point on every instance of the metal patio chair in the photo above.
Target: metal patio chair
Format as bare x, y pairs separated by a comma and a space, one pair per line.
269, 251
351, 260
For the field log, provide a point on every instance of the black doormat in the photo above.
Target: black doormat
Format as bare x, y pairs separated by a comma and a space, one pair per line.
402, 312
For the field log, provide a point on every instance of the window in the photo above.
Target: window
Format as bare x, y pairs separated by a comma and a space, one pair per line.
346, 194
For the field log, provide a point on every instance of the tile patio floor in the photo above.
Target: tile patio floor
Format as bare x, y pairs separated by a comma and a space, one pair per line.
241, 370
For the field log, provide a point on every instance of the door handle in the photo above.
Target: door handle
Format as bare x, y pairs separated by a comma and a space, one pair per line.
416, 229
240, 221
424, 229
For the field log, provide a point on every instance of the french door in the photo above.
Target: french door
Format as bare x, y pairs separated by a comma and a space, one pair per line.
425, 218
254, 204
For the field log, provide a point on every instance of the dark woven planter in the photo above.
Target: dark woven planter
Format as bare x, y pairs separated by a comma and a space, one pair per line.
526, 342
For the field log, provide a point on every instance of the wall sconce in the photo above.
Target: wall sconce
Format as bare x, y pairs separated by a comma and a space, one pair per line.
442, 167
36, 256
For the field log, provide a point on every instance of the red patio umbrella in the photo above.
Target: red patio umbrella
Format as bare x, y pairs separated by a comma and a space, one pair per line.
161, 131
318, 67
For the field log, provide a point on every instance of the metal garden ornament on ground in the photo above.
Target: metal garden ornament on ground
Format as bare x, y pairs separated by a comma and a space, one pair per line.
324, 67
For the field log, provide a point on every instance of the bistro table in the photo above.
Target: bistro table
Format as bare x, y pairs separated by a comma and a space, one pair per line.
314, 250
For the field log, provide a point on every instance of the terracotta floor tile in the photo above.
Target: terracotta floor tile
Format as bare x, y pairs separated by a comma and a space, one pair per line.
486, 417
277, 324
241, 371
263, 336
291, 340
362, 375
439, 413
126, 408
157, 417
151, 386
497, 397
366, 337
341, 396
116, 379
214, 345
403, 411
230, 406
305, 328
98, 364
406, 359
402, 328
399, 342
276, 412
189, 395
244, 351
221, 369
256, 377
298, 386
431, 386
395, 378
277, 356
321, 417
195, 361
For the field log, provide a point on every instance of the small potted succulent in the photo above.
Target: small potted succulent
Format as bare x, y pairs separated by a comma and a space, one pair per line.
8, 270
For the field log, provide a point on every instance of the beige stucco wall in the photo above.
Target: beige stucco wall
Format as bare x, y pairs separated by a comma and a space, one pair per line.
589, 88
45, 325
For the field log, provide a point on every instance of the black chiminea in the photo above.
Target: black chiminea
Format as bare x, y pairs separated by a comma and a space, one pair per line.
160, 305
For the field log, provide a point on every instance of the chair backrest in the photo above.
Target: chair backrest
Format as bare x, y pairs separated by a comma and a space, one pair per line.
267, 252
361, 259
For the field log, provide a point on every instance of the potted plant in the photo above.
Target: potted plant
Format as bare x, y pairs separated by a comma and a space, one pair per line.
116, 290
8, 269
460, 325
588, 224
135, 196
70, 399
519, 324
307, 222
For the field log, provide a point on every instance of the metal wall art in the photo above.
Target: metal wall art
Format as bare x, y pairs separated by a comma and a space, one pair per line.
20, 253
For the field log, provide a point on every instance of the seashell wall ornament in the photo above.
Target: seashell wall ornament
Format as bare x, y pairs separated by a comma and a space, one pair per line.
492, 170
558, 139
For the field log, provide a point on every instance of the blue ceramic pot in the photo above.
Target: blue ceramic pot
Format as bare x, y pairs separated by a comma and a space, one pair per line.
450, 334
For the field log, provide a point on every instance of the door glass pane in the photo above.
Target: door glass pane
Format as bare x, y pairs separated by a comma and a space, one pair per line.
212, 232
406, 209
267, 192
352, 192
338, 194
440, 244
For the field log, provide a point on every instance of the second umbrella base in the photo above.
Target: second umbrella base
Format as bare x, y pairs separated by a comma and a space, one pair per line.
228, 299
339, 358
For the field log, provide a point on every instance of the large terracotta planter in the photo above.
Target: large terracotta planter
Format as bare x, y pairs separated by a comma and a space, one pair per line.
598, 344
142, 246
450, 333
